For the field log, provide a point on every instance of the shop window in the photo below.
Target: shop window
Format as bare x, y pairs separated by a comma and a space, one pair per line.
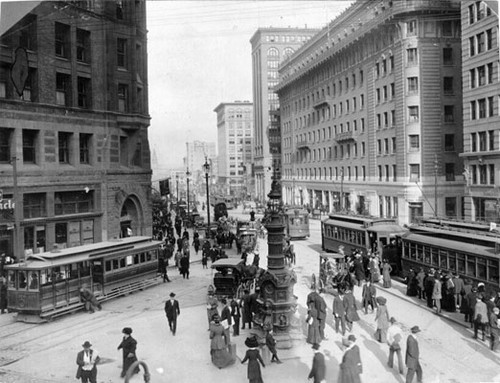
34, 205
73, 202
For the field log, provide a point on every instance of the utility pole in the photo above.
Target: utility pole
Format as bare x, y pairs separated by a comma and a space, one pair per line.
18, 246
342, 189
435, 186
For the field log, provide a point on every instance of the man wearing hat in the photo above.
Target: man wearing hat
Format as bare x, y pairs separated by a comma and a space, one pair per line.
351, 367
318, 369
412, 356
86, 361
394, 338
128, 346
172, 310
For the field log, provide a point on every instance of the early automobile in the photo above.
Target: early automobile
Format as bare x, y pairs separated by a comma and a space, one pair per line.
232, 277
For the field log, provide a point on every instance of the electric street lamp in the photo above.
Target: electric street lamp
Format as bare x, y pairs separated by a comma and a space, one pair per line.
342, 189
177, 188
188, 173
206, 168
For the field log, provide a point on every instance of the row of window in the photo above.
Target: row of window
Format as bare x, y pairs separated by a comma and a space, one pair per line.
481, 42
482, 141
478, 11
480, 76
482, 108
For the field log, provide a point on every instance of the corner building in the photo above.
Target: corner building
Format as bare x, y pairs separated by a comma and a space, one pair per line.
371, 112
73, 132
481, 112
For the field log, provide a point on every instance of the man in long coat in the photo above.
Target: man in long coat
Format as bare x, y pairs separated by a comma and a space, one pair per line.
351, 367
318, 369
226, 316
247, 309
236, 315
412, 356
338, 311
172, 311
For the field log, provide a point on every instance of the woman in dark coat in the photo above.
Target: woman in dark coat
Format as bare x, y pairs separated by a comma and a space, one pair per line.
3, 295
351, 314
128, 346
218, 344
313, 334
253, 356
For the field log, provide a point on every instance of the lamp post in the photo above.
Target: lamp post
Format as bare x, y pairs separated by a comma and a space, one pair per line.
342, 189
177, 198
435, 186
188, 173
206, 168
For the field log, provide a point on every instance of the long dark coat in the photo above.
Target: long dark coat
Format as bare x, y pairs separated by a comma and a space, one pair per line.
318, 368
253, 373
128, 346
350, 308
351, 366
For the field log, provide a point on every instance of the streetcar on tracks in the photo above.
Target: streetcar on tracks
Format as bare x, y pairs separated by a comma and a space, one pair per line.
365, 234
468, 249
47, 285
297, 222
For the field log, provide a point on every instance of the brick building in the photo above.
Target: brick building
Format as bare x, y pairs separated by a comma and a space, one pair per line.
74, 151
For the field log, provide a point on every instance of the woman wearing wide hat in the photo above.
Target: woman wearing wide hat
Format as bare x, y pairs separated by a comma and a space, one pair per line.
382, 320
218, 345
128, 345
253, 356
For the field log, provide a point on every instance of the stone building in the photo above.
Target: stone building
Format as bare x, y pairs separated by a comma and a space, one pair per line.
371, 112
270, 46
74, 151
481, 111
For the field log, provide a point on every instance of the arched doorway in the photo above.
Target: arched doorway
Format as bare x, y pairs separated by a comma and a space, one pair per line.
131, 218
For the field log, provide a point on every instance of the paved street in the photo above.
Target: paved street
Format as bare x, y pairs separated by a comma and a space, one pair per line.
47, 352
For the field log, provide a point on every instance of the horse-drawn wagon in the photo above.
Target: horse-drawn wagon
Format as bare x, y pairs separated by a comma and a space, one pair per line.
333, 273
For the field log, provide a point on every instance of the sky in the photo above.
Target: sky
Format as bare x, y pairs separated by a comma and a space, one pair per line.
199, 55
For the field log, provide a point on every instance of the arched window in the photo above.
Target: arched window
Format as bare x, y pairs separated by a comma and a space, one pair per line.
273, 52
287, 52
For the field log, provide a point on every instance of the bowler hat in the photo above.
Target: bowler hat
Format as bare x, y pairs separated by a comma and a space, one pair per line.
127, 330
351, 338
415, 329
315, 346
392, 320
172, 295
86, 344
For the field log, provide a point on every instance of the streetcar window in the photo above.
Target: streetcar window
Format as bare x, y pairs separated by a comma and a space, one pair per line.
471, 266
152, 255
73, 271
493, 271
136, 259
122, 262
481, 268
84, 268
427, 255
23, 283
45, 277
460, 263
143, 257
11, 280
443, 259
33, 281
108, 266
129, 260
452, 260
116, 264
434, 257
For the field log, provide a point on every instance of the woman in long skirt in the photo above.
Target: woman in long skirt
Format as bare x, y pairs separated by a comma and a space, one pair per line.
128, 345
386, 273
253, 356
313, 333
382, 320
218, 347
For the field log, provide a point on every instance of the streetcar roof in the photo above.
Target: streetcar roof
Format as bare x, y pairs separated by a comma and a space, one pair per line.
455, 245
348, 225
86, 252
387, 228
332, 255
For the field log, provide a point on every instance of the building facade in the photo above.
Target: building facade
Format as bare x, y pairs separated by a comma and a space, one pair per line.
371, 112
74, 151
270, 46
481, 152
234, 141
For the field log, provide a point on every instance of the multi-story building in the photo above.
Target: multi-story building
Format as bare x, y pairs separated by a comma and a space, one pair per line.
481, 124
270, 46
234, 141
196, 153
371, 112
74, 151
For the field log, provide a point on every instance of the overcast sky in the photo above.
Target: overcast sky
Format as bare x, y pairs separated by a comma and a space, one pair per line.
199, 55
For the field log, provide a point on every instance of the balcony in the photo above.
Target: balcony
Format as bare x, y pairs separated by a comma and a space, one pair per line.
344, 136
302, 145
320, 102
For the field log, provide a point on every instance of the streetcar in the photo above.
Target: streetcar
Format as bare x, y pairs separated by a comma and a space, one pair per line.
467, 249
47, 285
297, 223
348, 233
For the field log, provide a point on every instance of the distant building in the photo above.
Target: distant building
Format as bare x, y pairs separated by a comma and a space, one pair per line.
73, 132
270, 46
196, 152
234, 138
481, 125
371, 112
